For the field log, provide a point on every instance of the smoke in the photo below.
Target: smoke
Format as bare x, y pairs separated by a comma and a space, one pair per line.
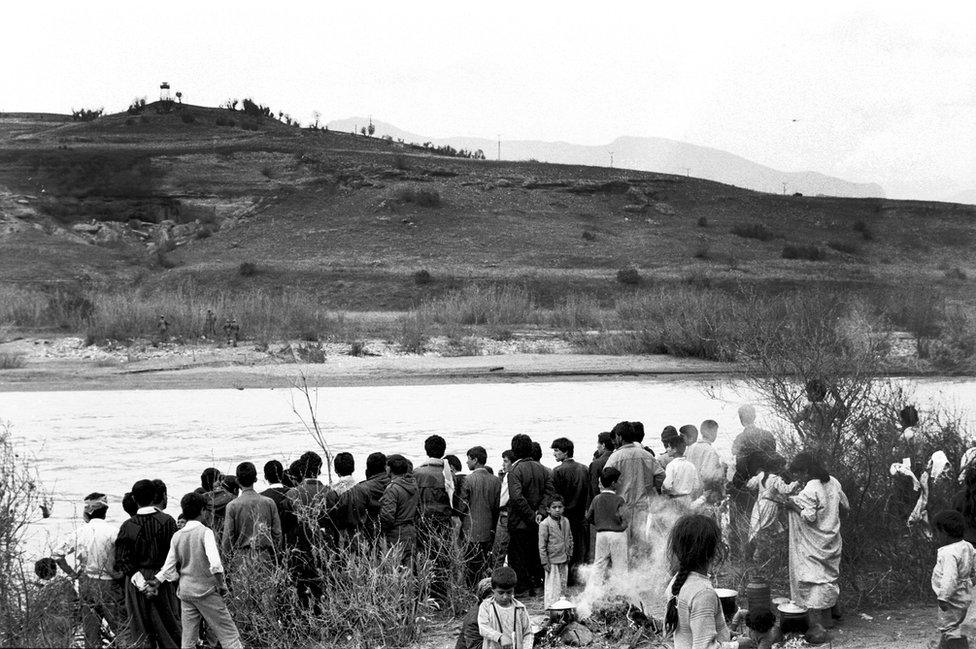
650, 570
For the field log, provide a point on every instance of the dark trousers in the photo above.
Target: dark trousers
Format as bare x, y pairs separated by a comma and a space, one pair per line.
477, 558
500, 549
581, 541
153, 621
100, 599
523, 556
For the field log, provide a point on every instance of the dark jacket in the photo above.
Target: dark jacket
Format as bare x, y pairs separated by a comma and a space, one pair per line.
143, 542
431, 489
313, 505
480, 494
279, 495
360, 506
596, 468
529, 491
398, 507
470, 635
571, 480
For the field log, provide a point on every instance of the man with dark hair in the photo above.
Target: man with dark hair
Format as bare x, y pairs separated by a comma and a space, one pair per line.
480, 493
529, 490
162, 495
344, 465
208, 479
360, 506
273, 474
251, 521
571, 481
499, 549
100, 592
312, 504
435, 486
399, 508
140, 552
640, 478
224, 491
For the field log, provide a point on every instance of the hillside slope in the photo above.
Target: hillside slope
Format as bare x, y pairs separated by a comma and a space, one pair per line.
159, 199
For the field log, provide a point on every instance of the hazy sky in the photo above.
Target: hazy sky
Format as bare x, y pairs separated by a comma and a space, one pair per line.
873, 92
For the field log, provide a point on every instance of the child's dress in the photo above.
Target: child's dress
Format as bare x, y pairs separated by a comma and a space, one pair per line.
766, 510
952, 581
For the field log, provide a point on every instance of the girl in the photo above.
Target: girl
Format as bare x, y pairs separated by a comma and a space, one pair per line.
771, 490
694, 614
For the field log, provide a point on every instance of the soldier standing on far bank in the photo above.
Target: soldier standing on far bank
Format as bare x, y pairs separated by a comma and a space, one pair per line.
210, 325
233, 331
162, 327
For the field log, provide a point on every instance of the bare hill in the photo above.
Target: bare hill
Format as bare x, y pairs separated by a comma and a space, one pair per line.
645, 154
162, 198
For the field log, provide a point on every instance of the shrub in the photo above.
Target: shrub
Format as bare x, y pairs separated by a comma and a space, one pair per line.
414, 333
247, 269
225, 121
130, 122
955, 273
421, 197
187, 118
588, 236
576, 311
10, 361
628, 276
422, 277
843, 246
698, 278
480, 305
400, 162
753, 231
137, 106
809, 253
864, 229
86, 114
703, 250
703, 221
356, 348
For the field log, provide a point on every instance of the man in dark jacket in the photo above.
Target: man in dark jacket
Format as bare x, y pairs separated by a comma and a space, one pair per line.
571, 480
360, 506
529, 491
480, 494
435, 486
398, 508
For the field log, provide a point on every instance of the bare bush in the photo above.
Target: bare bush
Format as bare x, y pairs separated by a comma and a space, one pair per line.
753, 231
11, 361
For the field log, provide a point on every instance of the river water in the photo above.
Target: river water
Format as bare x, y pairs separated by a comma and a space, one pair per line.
86, 441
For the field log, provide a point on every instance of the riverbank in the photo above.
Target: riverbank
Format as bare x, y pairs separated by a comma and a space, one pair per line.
65, 363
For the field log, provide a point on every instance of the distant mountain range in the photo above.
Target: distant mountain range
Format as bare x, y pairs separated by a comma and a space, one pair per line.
644, 154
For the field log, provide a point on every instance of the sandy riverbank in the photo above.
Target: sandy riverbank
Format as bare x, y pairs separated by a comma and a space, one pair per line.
65, 363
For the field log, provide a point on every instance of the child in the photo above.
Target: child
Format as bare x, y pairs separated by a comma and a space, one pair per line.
952, 578
759, 625
470, 635
694, 613
706, 459
193, 559
606, 515
771, 488
555, 549
681, 481
503, 620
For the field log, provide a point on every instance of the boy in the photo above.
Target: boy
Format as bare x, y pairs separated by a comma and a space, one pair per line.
481, 493
952, 578
681, 481
470, 635
706, 459
194, 561
555, 550
503, 620
606, 515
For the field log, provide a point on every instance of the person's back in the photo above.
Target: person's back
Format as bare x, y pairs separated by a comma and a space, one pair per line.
528, 488
640, 472
363, 502
399, 504
482, 491
570, 479
431, 488
698, 605
681, 480
251, 521
312, 502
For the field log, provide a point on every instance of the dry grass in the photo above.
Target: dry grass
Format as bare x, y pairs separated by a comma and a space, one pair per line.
9, 361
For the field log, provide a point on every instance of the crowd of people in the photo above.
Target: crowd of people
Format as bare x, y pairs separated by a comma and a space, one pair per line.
521, 529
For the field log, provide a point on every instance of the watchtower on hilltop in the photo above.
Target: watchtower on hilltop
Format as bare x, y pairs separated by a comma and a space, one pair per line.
164, 92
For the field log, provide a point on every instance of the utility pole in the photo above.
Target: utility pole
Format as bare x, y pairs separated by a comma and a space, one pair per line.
784, 189
687, 172
611, 159
499, 146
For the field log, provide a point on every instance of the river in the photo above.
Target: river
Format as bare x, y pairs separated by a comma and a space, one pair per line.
105, 440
